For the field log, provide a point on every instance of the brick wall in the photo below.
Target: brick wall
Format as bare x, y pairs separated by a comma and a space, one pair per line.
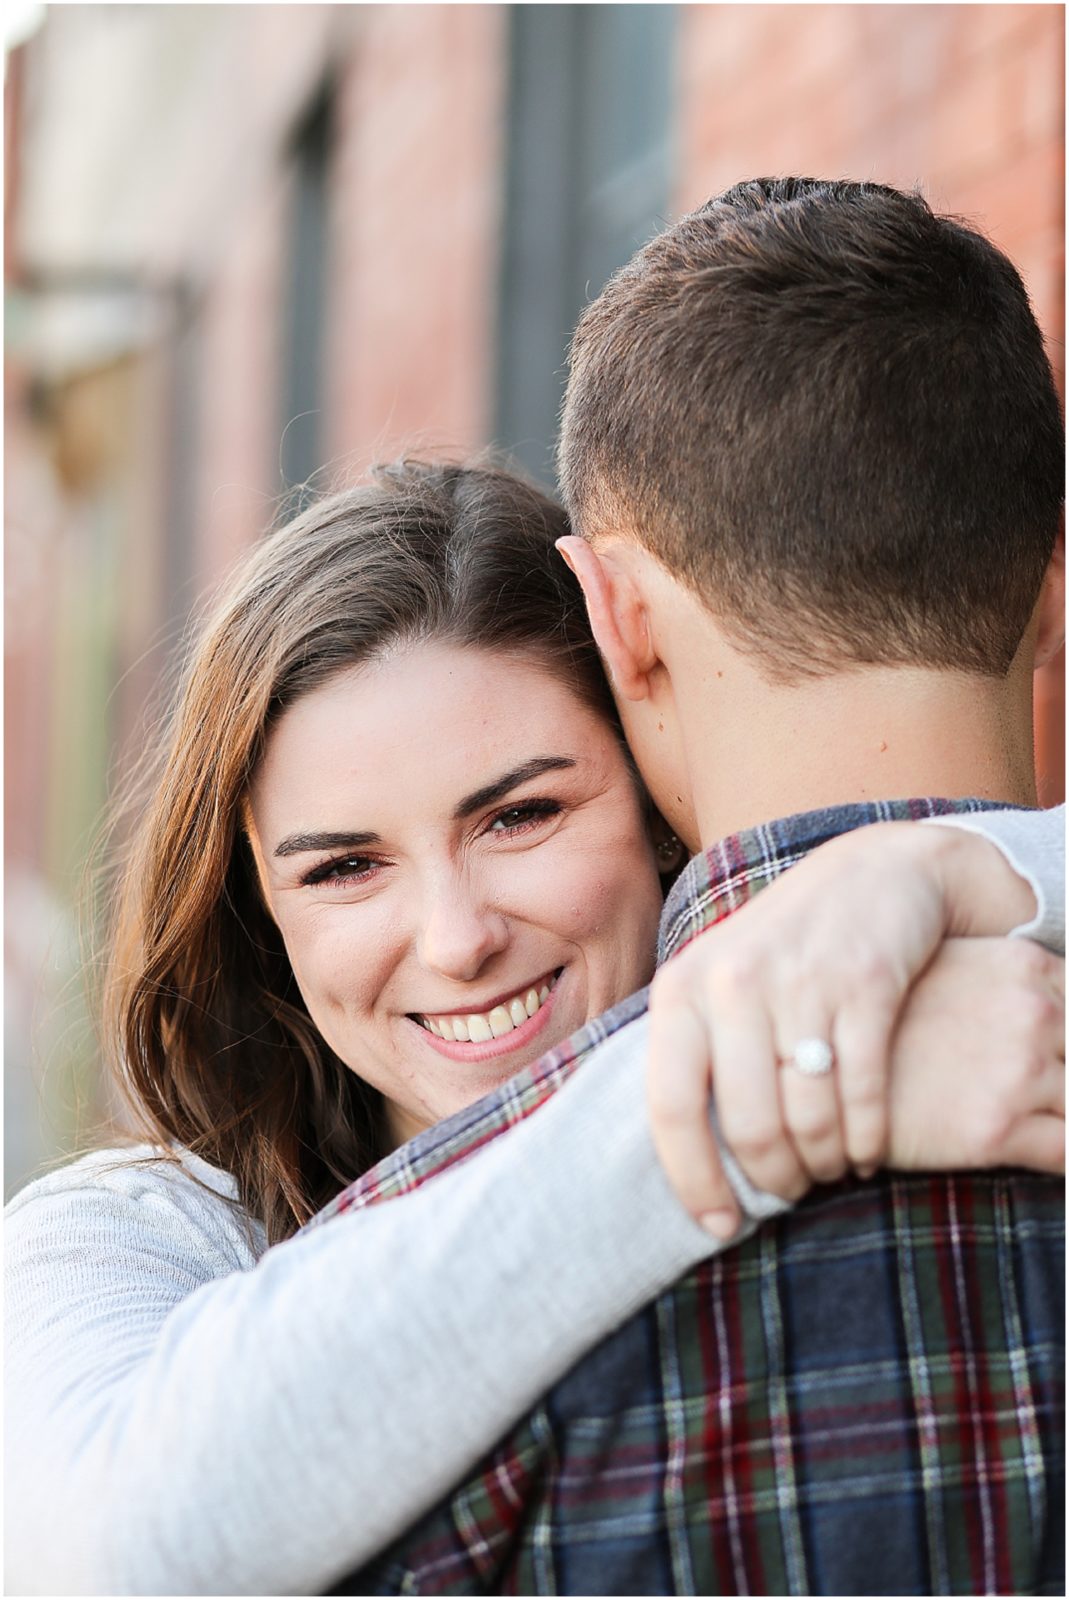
238, 384
416, 195
965, 100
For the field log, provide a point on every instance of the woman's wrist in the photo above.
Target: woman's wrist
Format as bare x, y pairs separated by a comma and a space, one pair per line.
985, 895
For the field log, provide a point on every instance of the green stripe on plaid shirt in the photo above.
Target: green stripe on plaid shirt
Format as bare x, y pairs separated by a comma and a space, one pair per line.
864, 1398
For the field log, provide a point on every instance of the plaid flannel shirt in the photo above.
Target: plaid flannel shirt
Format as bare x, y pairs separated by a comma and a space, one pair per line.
866, 1397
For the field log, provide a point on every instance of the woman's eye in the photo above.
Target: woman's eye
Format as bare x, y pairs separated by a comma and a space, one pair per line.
346, 869
514, 819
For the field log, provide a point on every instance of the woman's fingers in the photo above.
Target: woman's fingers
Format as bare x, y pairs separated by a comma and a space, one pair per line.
810, 1099
711, 1038
678, 1089
863, 1031
838, 1120
747, 1084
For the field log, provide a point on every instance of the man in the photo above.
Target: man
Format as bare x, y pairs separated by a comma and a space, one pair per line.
812, 448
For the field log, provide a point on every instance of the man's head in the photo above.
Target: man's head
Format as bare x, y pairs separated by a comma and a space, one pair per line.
828, 415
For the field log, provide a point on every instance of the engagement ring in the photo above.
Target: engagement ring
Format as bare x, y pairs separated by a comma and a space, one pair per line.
812, 1057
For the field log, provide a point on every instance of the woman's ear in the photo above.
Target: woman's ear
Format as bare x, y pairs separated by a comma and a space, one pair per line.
617, 615
1050, 635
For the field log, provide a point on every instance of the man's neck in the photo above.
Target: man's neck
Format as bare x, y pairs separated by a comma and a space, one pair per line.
763, 751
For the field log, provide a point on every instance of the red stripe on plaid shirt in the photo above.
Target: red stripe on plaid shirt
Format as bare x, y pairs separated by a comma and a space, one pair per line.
985, 1412
956, 1322
747, 1564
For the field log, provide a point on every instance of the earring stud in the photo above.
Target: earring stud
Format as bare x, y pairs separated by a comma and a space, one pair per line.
669, 851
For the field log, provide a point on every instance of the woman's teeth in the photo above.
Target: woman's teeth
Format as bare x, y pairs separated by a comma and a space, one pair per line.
478, 1026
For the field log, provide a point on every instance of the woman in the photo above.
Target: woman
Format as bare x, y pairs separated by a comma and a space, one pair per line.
393, 851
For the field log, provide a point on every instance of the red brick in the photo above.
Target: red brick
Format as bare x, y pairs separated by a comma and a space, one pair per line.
1042, 90
717, 43
968, 128
905, 54
413, 292
990, 31
1018, 199
240, 423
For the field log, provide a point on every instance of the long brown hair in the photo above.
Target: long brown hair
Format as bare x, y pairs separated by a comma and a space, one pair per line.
209, 1037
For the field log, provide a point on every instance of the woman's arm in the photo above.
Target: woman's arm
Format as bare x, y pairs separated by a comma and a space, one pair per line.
175, 1425
831, 951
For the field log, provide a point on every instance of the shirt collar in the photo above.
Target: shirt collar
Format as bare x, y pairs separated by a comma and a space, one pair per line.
723, 878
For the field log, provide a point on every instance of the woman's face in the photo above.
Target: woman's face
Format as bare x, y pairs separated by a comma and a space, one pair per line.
452, 847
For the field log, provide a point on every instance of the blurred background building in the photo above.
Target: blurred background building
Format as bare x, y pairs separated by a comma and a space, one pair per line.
252, 245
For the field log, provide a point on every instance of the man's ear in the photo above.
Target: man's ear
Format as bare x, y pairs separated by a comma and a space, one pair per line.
617, 616
1050, 633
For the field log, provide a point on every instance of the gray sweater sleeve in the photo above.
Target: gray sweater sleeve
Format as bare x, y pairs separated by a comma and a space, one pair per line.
1033, 842
176, 1425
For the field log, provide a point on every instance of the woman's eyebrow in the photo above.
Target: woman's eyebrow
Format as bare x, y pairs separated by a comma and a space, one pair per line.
296, 842
509, 781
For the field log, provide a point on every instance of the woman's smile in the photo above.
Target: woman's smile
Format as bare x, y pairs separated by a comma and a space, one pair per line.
504, 1026
450, 919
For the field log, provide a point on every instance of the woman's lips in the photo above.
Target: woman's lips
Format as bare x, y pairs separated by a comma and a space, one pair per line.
487, 1049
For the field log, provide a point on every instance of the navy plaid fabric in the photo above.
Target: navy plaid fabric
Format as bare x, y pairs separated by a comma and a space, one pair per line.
866, 1397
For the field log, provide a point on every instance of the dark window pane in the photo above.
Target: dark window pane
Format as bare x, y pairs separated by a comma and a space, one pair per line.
588, 176
303, 348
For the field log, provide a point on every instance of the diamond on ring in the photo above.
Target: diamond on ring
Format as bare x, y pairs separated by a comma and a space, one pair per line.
812, 1057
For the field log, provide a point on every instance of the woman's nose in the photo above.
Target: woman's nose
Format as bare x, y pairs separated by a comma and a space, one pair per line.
460, 931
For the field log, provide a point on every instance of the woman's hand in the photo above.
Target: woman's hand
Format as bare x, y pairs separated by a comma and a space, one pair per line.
830, 951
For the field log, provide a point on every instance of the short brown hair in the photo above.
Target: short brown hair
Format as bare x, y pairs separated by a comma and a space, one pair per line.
204, 1024
828, 411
